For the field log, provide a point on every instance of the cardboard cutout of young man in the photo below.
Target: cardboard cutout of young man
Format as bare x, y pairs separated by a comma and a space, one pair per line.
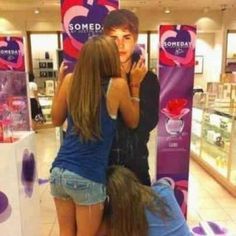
129, 147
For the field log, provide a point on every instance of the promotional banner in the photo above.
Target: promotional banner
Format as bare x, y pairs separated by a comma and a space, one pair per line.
82, 19
14, 112
176, 73
12, 54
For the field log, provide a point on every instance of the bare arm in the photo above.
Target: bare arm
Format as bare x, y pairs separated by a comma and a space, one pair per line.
59, 104
130, 101
119, 98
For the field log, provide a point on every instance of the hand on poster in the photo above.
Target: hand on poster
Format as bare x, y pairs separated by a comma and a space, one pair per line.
138, 71
62, 72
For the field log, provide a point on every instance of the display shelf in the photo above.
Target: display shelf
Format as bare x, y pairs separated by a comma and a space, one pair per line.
46, 105
214, 157
213, 144
18, 181
45, 75
197, 115
214, 149
196, 129
224, 131
195, 144
43, 68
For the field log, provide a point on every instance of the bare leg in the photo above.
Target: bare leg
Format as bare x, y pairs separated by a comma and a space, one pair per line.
88, 219
34, 125
66, 217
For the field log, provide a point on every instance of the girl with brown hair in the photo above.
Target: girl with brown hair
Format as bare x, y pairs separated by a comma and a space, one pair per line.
90, 99
133, 209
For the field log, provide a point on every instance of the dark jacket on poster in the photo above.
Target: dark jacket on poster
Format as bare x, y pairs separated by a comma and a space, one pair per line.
129, 147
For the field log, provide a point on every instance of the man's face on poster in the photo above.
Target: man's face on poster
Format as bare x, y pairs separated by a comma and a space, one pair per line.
125, 41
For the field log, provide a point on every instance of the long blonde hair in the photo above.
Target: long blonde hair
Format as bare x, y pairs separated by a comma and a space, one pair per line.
124, 212
98, 61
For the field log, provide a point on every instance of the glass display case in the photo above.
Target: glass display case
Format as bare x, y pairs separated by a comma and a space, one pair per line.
213, 144
44, 59
196, 131
46, 104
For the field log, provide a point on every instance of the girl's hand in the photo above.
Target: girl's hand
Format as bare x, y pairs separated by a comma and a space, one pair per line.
138, 72
61, 72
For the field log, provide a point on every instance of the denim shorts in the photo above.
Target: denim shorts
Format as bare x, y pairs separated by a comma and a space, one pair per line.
68, 185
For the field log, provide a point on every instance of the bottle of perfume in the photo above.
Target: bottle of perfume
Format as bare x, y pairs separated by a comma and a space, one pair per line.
174, 126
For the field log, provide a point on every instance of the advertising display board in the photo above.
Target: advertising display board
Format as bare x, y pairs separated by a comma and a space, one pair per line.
14, 109
176, 73
82, 20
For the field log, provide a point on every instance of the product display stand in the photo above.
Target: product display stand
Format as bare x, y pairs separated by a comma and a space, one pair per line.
19, 196
213, 144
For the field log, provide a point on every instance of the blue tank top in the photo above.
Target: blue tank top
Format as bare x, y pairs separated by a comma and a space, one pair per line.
87, 159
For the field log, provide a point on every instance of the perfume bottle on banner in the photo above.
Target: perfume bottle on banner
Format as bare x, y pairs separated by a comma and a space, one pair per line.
175, 110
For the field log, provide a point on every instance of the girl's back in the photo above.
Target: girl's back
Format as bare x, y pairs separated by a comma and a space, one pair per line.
88, 158
175, 224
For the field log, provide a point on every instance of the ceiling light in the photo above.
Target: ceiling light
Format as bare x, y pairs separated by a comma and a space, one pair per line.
167, 10
36, 11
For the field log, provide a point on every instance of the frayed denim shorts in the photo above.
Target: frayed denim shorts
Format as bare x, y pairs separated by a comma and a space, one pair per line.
70, 186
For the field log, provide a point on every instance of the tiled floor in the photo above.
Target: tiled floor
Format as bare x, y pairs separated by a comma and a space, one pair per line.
207, 199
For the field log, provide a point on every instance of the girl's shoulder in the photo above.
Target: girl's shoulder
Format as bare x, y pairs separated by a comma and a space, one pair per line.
163, 188
118, 82
68, 77
68, 80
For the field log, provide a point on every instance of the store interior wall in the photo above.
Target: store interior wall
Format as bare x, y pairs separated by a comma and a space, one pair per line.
210, 42
22, 21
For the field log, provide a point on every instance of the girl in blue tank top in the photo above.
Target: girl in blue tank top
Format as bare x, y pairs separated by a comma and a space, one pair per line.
89, 99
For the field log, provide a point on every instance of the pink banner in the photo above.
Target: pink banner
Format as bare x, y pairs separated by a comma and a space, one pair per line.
81, 20
14, 112
12, 54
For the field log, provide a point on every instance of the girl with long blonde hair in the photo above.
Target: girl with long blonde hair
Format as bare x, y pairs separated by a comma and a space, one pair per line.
89, 99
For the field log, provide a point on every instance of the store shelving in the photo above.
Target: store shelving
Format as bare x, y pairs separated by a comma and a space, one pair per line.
44, 73
46, 104
213, 144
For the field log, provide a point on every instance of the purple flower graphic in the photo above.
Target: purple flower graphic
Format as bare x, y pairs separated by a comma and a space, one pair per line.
5, 208
205, 228
28, 172
175, 108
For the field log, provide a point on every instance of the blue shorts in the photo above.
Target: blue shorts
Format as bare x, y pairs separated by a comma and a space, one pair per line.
68, 185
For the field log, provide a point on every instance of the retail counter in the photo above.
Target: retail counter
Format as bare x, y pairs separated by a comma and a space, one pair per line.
213, 144
19, 197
